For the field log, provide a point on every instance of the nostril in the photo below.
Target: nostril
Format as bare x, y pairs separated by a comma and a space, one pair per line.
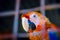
32, 26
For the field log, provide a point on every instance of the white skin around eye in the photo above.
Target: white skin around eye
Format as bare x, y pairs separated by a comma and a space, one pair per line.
35, 19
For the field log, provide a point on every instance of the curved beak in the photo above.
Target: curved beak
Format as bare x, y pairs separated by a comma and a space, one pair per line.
28, 25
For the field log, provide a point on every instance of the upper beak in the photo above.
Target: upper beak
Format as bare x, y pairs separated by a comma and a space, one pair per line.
25, 24
25, 18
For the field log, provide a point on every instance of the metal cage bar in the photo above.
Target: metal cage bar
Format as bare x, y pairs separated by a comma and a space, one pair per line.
43, 13
47, 7
16, 15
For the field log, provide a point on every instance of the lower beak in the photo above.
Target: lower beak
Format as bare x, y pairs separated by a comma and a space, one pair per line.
32, 26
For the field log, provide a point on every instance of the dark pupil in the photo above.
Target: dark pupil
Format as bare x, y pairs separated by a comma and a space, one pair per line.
34, 15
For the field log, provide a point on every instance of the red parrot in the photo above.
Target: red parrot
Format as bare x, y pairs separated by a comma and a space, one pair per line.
32, 23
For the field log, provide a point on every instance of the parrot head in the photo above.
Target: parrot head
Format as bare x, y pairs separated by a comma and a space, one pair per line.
32, 21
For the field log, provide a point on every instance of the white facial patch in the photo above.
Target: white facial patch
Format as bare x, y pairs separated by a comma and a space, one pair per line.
25, 24
35, 19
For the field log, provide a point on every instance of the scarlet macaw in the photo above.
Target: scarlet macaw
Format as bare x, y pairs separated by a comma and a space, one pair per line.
32, 23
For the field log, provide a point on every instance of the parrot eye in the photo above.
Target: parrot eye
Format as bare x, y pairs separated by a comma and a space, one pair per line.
34, 16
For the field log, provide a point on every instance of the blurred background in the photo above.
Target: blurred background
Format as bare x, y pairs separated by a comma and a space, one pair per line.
9, 20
